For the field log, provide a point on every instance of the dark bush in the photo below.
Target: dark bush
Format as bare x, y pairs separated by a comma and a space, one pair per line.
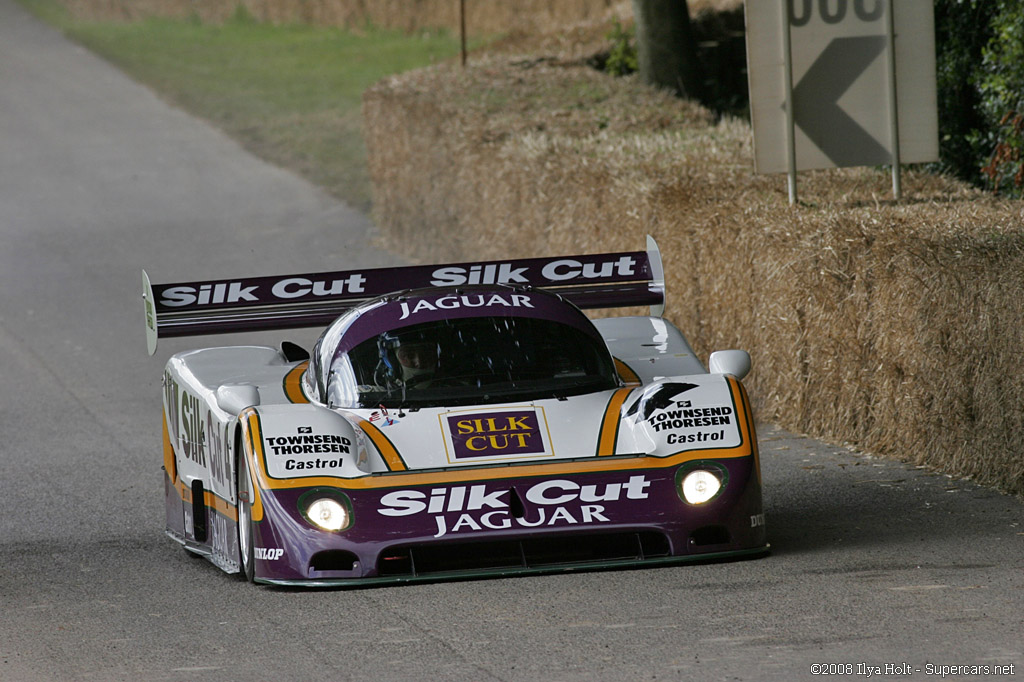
1001, 85
962, 30
621, 59
980, 70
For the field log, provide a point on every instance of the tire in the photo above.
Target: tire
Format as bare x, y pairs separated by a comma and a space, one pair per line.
246, 552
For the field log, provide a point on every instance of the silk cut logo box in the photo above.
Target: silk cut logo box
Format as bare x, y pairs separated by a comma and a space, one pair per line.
496, 434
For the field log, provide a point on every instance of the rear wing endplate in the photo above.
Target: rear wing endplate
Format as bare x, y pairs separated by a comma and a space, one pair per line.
608, 280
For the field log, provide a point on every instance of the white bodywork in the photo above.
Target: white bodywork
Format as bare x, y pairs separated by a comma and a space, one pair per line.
204, 390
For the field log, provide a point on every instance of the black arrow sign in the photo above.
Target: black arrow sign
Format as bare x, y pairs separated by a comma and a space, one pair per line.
816, 107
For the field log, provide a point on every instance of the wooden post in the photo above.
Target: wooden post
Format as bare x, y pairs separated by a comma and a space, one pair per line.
462, 29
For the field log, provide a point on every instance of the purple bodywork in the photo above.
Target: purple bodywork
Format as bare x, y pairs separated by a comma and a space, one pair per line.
515, 525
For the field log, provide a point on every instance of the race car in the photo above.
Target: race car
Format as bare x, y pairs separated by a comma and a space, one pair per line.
452, 421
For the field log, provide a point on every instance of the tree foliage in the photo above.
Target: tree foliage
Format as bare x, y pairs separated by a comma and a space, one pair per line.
980, 71
1002, 95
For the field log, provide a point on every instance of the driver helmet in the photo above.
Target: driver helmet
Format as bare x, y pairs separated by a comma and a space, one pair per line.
409, 355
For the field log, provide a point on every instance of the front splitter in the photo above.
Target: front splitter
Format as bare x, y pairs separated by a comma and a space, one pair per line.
507, 572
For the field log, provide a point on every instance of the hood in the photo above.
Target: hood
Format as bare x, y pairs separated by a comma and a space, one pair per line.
665, 417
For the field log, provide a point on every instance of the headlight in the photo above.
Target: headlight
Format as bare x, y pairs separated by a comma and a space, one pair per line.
699, 486
328, 514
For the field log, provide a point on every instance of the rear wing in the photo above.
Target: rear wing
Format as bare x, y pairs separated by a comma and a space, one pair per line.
608, 280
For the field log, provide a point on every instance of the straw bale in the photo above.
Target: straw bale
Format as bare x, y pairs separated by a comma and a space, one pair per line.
895, 328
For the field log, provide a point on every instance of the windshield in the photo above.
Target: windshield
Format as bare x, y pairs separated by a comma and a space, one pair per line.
471, 361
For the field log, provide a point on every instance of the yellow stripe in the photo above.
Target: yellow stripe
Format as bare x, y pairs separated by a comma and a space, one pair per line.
220, 505
626, 373
293, 384
210, 500
170, 466
610, 424
252, 444
387, 450
748, 421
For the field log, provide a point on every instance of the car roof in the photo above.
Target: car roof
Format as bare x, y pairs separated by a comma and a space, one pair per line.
412, 307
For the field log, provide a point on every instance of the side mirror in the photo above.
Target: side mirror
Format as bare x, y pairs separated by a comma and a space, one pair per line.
734, 362
233, 398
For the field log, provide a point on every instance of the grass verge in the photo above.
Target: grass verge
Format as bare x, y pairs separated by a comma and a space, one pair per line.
290, 94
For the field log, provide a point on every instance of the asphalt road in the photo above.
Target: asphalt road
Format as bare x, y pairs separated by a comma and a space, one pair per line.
874, 563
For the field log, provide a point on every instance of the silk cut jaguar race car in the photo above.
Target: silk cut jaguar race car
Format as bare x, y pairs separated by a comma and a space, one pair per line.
452, 421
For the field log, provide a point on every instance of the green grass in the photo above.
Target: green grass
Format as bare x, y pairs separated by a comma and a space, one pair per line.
290, 94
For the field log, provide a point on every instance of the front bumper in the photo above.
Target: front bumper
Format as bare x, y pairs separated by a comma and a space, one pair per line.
424, 526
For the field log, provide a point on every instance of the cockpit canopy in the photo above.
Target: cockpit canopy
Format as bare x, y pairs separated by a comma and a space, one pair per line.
446, 347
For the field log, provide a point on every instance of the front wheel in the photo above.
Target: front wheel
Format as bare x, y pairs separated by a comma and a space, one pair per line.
246, 553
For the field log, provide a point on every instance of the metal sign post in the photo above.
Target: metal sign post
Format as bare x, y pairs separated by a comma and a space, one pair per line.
894, 111
787, 54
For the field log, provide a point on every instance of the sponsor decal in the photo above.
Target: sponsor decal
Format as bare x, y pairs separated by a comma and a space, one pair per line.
664, 396
207, 294
192, 432
699, 437
224, 540
312, 464
502, 434
691, 418
268, 553
236, 292
285, 450
465, 301
555, 271
297, 287
150, 313
382, 417
695, 426
485, 435
216, 446
492, 273
554, 502
688, 415
308, 444
200, 437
